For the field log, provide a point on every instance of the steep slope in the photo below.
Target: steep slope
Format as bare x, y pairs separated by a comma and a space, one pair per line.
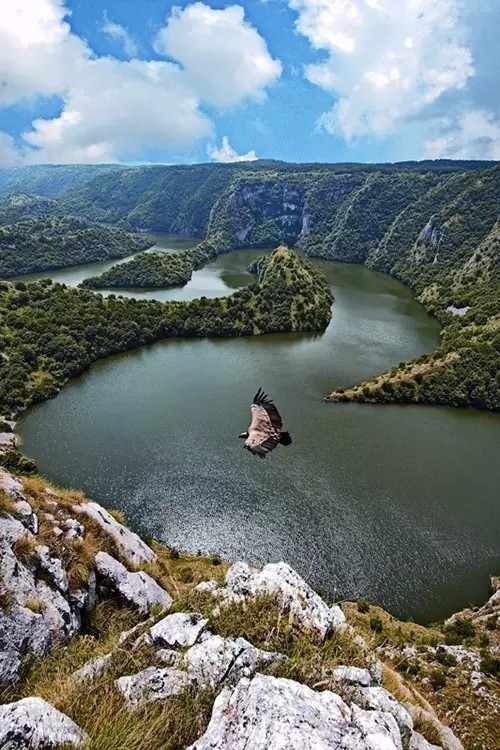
445, 246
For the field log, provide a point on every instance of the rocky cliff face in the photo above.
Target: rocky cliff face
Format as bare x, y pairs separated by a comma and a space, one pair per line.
103, 636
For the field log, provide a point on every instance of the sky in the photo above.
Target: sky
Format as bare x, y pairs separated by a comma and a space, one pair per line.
142, 81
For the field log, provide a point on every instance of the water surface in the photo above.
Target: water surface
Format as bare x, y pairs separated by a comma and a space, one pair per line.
396, 504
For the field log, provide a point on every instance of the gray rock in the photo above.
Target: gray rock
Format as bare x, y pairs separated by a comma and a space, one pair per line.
267, 713
379, 699
179, 629
418, 742
22, 634
351, 675
217, 660
130, 545
53, 567
143, 640
28, 518
128, 634
308, 608
75, 526
207, 587
152, 684
33, 724
168, 657
138, 590
11, 486
92, 669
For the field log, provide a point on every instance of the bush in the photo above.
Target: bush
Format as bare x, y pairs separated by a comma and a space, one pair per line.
174, 554
216, 560
490, 665
459, 631
363, 606
445, 658
437, 679
376, 623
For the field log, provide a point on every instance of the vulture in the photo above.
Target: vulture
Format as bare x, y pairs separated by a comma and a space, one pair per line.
264, 434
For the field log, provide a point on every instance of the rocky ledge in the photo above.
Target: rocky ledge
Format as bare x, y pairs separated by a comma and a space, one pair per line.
274, 665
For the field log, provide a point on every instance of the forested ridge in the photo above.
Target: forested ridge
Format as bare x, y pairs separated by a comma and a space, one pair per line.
50, 332
434, 225
40, 243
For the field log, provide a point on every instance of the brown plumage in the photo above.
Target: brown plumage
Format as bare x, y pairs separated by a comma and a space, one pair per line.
264, 434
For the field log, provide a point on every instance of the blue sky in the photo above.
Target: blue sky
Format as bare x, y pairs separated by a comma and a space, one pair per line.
298, 80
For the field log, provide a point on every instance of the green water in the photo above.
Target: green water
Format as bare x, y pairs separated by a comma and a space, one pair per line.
396, 504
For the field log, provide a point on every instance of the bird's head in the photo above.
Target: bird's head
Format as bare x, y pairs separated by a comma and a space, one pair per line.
243, 435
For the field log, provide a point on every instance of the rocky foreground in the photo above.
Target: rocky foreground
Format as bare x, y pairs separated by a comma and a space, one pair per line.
109, 642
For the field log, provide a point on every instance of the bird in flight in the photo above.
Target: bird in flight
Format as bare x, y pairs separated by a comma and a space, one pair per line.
264, 433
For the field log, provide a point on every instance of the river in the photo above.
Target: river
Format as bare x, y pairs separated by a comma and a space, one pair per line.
395, 504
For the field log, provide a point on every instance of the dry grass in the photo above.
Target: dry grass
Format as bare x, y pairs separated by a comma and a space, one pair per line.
98, 707
394, 632
34, 603
25, 549
7, 504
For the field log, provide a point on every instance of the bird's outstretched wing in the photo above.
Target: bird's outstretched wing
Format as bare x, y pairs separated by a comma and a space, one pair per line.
264, 431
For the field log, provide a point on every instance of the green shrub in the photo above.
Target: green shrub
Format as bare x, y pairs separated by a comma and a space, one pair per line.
363, 606
376, 623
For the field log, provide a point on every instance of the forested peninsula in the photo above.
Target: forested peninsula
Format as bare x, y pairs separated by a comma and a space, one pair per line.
50, 332
433, 225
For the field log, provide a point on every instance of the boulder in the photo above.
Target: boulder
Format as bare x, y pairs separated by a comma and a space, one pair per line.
152, 684
350, 675
33, 724
138, 590
418, 742
26, 515
269, 713
131, 546
92, 669
180, 629
22, 634
307, 607
217, 660
11, 486
53, 568
379, 699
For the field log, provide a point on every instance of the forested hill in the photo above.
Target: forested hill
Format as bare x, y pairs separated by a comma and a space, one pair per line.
434, 225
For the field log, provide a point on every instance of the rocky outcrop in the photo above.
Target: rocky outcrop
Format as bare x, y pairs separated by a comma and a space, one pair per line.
379, 699
293, 593
180, 629
152, 684
33, 724
130, 545
268, 712
137, 590
217, 660
39, 606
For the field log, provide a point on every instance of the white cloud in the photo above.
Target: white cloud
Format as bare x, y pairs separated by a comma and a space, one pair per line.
227, 154
474, 134
120, 34
117, 108
38, 53
114, 109
9, 155
386, 60
224, 57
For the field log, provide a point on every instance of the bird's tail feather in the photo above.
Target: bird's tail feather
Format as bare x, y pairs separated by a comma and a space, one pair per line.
285, 438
